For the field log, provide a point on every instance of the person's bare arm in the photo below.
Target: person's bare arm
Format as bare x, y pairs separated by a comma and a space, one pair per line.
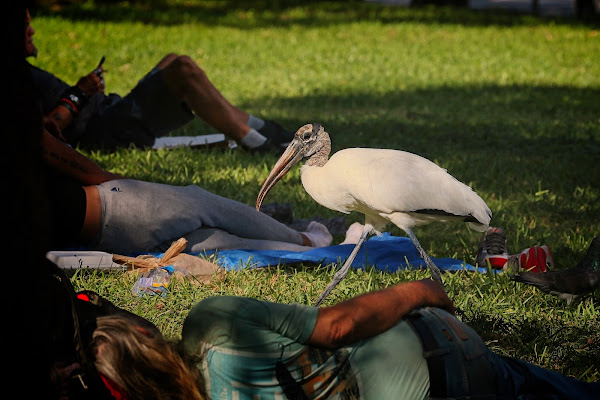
373, 313
65, 111
68, 161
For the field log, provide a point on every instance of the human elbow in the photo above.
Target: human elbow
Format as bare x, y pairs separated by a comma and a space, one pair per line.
334, 333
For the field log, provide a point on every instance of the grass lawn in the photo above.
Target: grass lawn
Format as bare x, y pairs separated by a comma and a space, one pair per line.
507, 103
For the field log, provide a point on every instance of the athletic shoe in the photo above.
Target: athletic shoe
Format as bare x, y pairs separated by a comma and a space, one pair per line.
278, 138
533, 259
492, 249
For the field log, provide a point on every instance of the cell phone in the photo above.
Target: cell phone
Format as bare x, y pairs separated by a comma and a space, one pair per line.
97, 70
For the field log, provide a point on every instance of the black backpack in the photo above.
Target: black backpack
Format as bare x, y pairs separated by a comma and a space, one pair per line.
73, 320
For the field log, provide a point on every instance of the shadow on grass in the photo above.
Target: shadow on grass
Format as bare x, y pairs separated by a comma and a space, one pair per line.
495, 136
254, 14
531, 152
556, 346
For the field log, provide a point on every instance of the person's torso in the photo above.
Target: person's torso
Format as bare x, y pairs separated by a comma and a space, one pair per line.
51, 88
241, 358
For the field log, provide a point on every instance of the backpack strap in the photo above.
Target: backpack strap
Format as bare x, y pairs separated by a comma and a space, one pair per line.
291, 388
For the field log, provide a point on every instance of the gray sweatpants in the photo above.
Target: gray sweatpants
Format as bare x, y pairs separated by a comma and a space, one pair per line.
140, 217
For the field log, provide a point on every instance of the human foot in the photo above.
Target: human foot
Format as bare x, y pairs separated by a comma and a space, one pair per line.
318, 234
353, 233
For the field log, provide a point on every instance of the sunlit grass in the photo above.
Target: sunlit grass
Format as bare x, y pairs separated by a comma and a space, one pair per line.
507, 103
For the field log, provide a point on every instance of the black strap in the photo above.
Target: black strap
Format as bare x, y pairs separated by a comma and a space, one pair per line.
291, 388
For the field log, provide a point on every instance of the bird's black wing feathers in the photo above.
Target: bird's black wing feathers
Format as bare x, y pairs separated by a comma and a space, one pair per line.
575, 281
465, 218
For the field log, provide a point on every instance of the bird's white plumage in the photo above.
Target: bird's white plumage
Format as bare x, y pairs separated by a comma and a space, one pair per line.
386, 185
383, 184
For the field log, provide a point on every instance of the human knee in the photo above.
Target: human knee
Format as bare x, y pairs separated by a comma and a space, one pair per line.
186, 68
168, 59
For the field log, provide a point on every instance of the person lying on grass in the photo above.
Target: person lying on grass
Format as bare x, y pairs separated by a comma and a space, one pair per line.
97, 210
172, 94
402, 342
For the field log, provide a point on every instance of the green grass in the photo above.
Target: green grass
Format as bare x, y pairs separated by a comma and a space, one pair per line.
508, 103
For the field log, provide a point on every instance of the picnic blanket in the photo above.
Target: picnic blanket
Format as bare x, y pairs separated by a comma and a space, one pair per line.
387, 253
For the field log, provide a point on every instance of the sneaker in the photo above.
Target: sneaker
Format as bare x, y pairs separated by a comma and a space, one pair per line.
492, 249
533, 259
278, 138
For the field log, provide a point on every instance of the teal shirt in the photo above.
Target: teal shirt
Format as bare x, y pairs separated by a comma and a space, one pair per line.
241, 340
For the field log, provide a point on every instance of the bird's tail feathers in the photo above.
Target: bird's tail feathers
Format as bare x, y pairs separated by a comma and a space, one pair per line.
476, 226
530, 278
480, 213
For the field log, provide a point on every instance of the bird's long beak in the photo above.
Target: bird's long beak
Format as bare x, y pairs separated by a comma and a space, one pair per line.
289, 158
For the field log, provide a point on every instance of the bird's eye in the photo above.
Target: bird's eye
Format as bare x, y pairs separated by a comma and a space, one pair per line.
306, 136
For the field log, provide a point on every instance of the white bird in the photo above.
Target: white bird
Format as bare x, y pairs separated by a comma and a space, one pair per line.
387, 186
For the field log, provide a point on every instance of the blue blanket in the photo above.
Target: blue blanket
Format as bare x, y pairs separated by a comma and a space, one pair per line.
387, 253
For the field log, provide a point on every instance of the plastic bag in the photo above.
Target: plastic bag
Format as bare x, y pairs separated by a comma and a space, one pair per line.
154, 282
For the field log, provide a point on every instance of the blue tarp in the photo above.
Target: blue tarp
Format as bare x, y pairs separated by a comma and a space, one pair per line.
386, 253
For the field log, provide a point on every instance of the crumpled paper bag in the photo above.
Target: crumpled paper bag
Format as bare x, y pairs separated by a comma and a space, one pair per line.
185, 265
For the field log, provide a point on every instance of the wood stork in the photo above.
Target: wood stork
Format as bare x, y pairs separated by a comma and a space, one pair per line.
387, 186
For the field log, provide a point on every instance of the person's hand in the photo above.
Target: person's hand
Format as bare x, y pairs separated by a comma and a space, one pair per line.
52, 126
437, 296
92, 83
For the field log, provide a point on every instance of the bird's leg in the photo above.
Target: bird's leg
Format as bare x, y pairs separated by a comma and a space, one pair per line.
435, 271
341, 274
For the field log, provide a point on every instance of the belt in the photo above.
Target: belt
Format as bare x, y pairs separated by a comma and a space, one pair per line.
457, 359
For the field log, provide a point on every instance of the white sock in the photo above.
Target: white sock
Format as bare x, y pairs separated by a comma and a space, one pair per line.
353, 233
254, 122
253, 139
318, 234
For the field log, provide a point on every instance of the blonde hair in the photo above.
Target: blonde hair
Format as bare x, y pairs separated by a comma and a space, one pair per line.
142, 363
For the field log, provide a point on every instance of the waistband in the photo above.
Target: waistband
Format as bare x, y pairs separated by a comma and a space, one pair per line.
456, 356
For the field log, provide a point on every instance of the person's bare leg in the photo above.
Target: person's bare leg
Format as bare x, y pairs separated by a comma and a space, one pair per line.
190, 83
166, 60
93, 215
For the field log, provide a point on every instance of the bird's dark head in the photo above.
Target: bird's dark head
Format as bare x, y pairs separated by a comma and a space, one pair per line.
592, 257
310, 140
